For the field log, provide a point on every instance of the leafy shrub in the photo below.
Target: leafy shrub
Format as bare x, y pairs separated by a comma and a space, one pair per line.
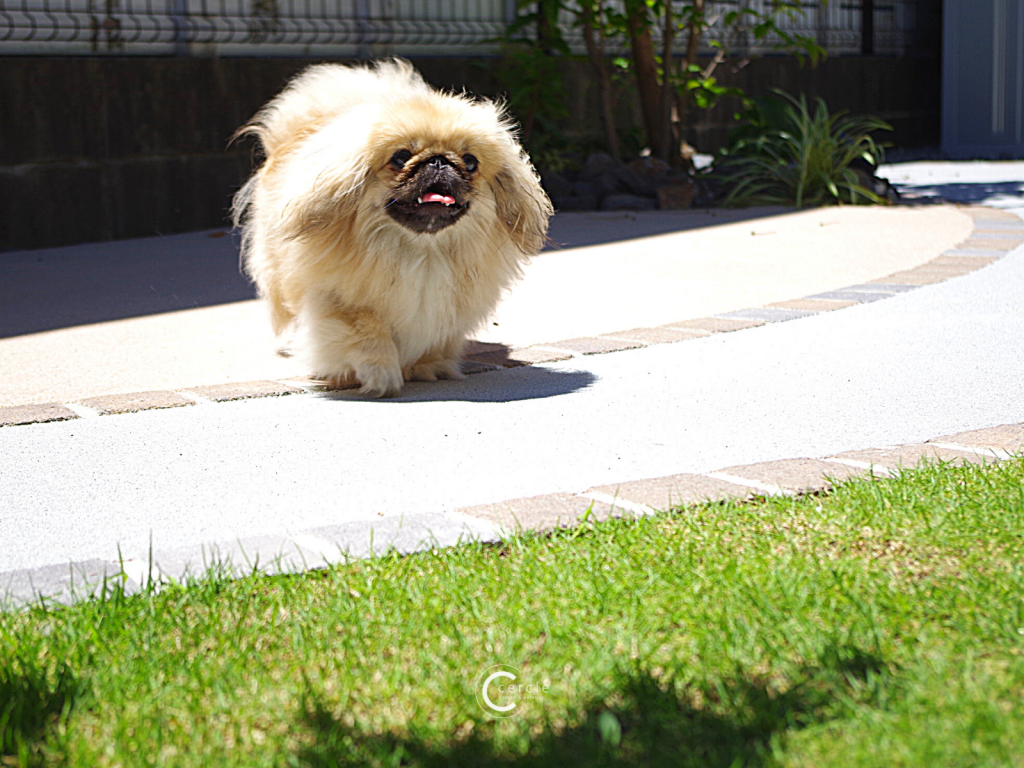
788, 156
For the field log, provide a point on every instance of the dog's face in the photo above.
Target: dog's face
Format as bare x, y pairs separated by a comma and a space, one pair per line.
420, 165
437, 160
432, 189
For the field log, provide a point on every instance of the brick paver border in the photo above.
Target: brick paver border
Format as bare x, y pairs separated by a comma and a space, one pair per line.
995, 234
320, 547
787, 477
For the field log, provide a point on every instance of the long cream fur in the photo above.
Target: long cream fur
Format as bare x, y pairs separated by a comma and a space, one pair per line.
371, 303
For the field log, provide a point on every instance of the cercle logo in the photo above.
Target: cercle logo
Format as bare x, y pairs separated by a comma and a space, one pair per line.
500, 690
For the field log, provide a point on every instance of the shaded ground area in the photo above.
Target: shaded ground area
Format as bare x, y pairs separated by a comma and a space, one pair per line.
995, 183
620, 226
628, 281
76, 285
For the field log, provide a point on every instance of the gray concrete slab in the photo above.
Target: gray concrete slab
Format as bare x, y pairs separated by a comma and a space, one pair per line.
880, 288
62, 583
861, 297
255, 554
978, 252
403, 534
768, 314
74, 285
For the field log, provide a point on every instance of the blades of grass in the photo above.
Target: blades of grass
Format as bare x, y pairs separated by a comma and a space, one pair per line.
830, 185
808, 153
739, 637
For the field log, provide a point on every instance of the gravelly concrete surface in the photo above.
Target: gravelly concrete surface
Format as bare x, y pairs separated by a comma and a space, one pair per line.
937, 360
311, 472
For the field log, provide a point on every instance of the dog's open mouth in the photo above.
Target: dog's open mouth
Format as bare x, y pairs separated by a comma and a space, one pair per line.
431, 211
433, 197
436, 197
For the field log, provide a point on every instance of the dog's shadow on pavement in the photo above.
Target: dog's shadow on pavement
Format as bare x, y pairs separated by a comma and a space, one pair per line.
501, 386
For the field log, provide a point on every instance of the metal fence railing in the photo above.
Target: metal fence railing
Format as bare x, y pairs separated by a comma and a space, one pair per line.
363, 28
836, 25
250, 27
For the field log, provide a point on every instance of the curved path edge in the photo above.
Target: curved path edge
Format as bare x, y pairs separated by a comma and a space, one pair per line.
327, 545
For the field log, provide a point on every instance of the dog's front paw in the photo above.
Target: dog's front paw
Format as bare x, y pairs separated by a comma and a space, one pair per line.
433, 370
380, 380
345, 380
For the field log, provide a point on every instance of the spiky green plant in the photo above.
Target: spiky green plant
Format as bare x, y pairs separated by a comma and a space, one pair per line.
789, 156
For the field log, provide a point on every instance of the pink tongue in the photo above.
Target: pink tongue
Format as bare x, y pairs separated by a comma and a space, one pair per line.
433, 197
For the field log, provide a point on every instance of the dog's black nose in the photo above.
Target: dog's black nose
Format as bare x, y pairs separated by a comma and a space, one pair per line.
438, 161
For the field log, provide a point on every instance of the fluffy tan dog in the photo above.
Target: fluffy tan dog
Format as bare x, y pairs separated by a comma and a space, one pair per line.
386, 221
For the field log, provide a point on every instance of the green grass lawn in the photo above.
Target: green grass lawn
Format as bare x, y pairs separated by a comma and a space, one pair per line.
880, 625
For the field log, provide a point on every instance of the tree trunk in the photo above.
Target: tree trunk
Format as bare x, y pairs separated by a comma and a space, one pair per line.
646, 71
670, 148
594, 38
547, 20
694, 28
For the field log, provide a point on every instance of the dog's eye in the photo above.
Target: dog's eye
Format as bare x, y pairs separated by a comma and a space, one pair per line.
471, 162
400, 158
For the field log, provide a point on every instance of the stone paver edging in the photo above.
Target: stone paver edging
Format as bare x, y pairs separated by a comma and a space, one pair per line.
323, 546
771, 478
995, 233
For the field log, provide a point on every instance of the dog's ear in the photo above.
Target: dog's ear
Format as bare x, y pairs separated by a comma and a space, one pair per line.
329, 200
522, 205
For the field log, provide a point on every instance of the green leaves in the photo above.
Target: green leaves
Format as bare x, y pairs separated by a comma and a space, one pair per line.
789, 156
704, 89
610, 729
537, 37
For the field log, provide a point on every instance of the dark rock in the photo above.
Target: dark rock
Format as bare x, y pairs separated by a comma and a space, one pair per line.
585, 189
597, 164
627, 203
654, 174
642, 178
676, 197
555, 184
621, 179
563, 204
650, 166
630, 181
867, 178
607, 183
708, 191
